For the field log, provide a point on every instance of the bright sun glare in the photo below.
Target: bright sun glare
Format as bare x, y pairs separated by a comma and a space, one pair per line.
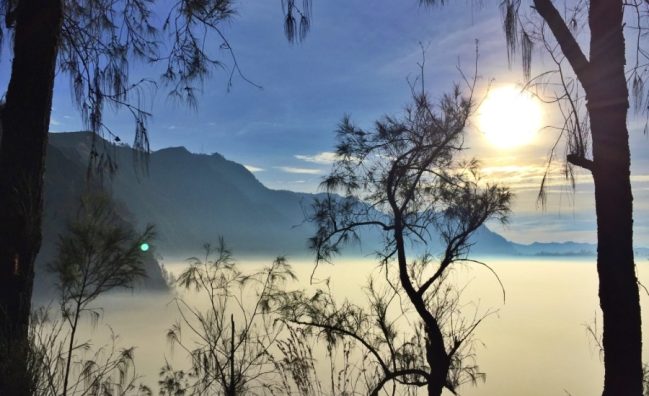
509, 118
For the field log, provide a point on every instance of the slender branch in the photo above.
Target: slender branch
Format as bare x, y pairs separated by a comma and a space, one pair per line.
566, 40
348, 333
493, 272
392, 375
579, 160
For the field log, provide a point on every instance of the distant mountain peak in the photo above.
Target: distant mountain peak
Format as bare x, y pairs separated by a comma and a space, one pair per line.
175, 150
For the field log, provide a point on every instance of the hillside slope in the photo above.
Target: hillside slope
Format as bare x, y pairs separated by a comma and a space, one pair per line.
194, 199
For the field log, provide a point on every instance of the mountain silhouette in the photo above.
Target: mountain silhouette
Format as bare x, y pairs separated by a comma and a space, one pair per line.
194, 199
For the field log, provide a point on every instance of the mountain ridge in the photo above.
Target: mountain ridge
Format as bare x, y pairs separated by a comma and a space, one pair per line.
197, 198
194, 198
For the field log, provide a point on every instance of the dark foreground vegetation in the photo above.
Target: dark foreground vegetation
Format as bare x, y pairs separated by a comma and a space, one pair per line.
86, 40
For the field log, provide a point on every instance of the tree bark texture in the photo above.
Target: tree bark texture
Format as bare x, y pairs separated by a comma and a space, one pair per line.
608, 104
25, 124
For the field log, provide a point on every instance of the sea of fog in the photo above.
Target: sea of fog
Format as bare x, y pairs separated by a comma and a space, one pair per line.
537, 343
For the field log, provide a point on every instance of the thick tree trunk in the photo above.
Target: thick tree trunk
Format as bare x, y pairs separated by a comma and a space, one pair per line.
608, 105
438, 364
618, 287
602, 76
25, 123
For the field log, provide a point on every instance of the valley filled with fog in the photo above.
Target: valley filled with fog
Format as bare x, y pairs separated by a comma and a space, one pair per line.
537, 343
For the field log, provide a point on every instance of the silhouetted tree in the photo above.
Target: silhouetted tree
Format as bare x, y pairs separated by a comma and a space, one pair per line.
299, 364
25, 122
402, 178
94, 42
594, 100
236, 341
104, 370
231, 340
98, 252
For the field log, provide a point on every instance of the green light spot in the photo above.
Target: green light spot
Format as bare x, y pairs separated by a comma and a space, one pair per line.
144, 247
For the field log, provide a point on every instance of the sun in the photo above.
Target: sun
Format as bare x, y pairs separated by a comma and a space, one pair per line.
509, 118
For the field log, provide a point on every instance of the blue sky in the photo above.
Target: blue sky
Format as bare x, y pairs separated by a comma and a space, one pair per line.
356, 60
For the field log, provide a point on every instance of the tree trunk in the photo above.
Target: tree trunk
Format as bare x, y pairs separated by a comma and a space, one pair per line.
618, 287
25, 123
438, 365
436, 356
608, 103
232, 389
603, 79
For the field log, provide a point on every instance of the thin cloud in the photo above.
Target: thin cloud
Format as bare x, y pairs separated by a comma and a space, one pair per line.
302, 171
529, 177
253, 169
323, 158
